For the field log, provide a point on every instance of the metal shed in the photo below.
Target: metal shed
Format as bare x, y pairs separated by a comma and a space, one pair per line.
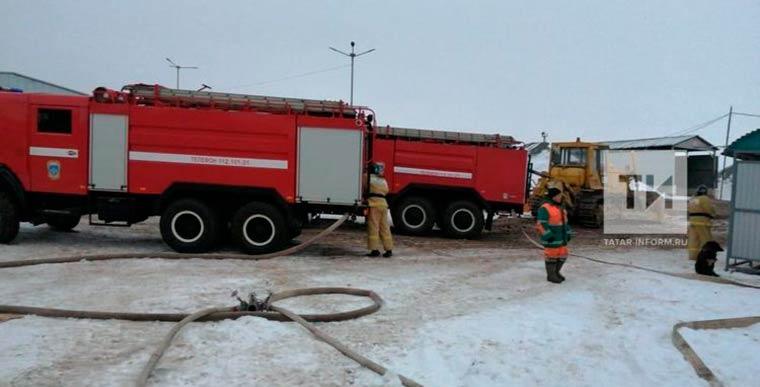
747, 147
690, 143
743, 251
702, 165
11, 80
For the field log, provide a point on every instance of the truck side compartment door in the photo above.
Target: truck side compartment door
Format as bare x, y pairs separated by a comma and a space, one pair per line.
58, 149
108, 152
330, 165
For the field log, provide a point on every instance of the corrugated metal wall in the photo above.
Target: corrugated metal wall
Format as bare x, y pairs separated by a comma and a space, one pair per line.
744, 240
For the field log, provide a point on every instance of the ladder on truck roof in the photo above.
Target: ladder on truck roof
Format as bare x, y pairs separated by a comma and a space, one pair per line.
495, 140
157, 94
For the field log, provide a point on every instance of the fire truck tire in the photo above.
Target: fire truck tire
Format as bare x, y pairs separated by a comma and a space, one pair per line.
462, 219
62, 222
414, 215
8, 219
259, 228
189, 226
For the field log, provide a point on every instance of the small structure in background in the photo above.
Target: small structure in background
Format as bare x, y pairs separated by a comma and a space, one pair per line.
743, 244
11, 80
702, 163
539, 153
535, 148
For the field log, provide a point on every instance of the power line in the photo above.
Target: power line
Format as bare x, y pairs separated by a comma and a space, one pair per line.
747, 115
710, 122
289, 77
699, 126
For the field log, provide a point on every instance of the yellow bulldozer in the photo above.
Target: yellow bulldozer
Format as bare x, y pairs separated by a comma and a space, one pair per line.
576, 168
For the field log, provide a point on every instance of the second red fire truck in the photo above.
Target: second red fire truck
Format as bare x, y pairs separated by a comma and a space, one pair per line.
454, 180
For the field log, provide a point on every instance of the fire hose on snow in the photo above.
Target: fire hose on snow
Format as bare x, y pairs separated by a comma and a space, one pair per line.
678, 340
265, 310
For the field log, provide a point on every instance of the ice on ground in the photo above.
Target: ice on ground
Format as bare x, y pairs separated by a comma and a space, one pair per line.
452, 317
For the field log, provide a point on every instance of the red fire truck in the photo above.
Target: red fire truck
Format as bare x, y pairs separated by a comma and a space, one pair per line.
450, 179
208, 163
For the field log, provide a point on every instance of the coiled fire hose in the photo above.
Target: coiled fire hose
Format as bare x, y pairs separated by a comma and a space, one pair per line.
678, 340
219, 313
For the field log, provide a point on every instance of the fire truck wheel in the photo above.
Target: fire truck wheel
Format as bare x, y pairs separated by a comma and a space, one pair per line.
259, 228
463, 219
62, 222
8, 219
414, 216
189, 226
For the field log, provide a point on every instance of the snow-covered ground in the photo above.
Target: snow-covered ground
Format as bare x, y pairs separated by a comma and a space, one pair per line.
453, 317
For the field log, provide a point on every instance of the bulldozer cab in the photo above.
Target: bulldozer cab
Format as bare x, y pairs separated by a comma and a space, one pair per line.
578, 164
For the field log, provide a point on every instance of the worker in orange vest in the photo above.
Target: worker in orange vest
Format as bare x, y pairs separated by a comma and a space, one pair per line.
701, 214
555, 233
378, 227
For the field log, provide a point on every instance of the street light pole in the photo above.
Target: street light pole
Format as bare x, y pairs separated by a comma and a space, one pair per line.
353, 55
178, 67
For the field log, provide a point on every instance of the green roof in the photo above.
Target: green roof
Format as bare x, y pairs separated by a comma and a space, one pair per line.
749, 144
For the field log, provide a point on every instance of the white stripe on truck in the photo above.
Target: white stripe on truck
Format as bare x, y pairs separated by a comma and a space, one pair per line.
433, 172
53, 152
208, 160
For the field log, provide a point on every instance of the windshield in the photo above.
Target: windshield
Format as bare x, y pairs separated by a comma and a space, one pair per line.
570, 156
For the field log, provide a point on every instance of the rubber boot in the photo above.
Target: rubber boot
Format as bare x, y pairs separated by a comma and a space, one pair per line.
551, 271
388, 254
374, 253
560, 263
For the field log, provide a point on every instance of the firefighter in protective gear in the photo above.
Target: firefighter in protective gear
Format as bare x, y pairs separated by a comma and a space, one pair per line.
701, 214
552, 226
378, 228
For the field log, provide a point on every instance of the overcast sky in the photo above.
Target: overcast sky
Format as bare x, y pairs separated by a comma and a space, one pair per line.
601, 70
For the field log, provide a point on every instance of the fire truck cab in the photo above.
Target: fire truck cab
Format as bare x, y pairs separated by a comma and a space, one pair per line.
207, 163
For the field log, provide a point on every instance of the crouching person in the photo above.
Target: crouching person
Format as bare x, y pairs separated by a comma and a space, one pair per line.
555, 232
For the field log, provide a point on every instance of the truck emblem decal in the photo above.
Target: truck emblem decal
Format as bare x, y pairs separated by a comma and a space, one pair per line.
208, 160
54, 169
433, 172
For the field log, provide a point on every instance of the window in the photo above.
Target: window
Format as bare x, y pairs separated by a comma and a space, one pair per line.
574, 156
54, 121
556, 156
